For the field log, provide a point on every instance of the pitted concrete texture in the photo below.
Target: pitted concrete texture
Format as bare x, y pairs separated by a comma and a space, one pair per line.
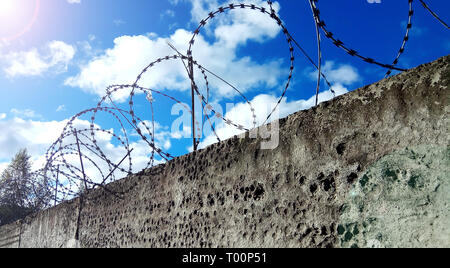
401, 201
233, 194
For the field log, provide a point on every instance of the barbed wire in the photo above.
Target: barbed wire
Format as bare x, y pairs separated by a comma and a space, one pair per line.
434, 14
77, 163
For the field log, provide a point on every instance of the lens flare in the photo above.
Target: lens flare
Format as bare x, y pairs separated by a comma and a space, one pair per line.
6, 7
17, 17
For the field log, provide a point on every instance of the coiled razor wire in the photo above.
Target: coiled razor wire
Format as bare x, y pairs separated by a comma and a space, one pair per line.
78, 148
434, 14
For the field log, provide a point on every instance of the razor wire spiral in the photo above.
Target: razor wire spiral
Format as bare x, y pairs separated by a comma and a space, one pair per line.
78, 147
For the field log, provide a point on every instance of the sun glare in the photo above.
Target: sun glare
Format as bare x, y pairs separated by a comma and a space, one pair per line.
7, 8
17, 17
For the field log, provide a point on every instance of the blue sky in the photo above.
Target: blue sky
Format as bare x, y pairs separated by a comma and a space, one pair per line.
57, 57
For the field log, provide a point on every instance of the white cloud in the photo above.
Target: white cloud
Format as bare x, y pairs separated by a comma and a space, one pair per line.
118, 22
163, 135
55, 57
26, 113
88, 50
74, 1
341, 74
121, 65
130, 54
61, 108
168, 13
2, 116
415, 31
238, 26
3, 166
37, 137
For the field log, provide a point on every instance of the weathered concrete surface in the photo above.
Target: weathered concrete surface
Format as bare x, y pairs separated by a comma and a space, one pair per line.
402, 200
308, 192
54, 227
10, 235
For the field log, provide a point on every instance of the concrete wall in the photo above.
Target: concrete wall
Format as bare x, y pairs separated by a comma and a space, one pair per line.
368, 169
10, 235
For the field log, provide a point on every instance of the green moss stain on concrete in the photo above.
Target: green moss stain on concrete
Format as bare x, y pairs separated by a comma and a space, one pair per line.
413, 181
390, 174
402, 200
364, 181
